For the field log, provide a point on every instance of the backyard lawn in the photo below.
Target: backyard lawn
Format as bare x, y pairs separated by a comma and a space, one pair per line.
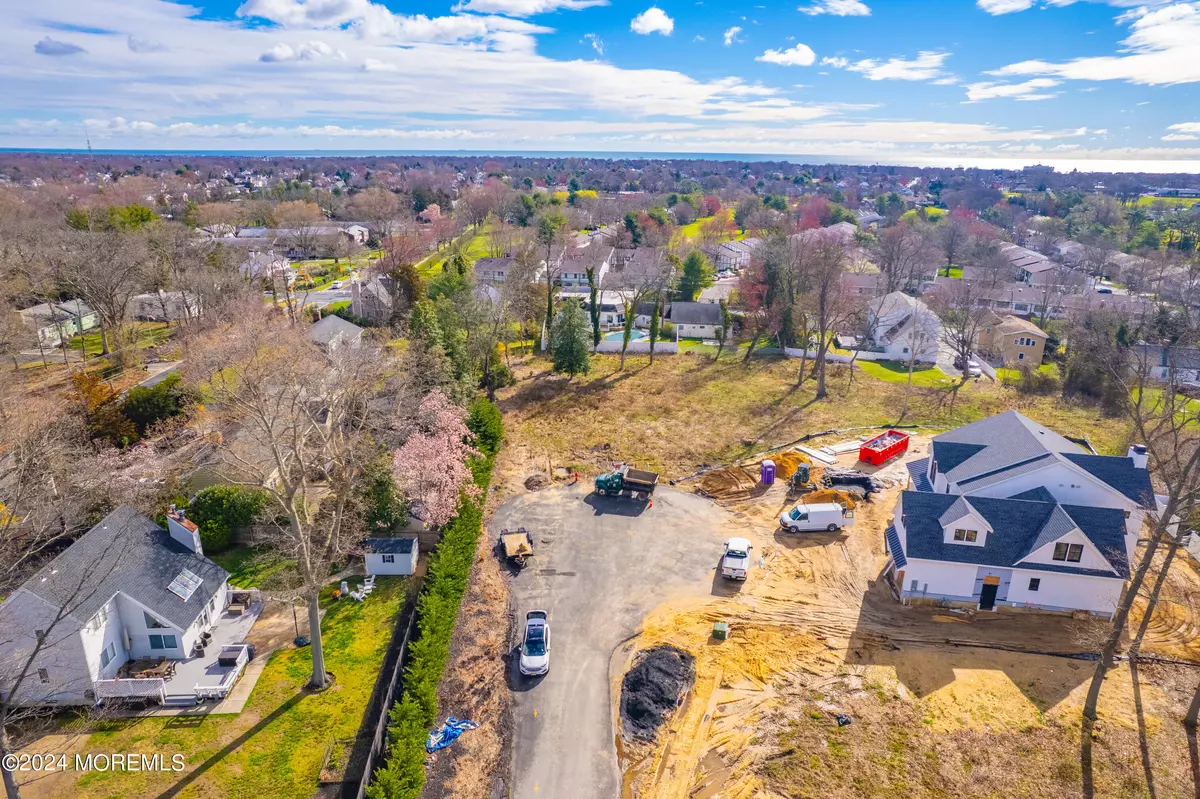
245, 571
924, 375
145, 334
276, 746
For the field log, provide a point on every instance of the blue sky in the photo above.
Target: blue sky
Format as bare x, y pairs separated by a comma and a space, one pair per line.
1107, 84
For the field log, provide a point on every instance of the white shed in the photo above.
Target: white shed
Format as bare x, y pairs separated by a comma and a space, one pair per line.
390, 555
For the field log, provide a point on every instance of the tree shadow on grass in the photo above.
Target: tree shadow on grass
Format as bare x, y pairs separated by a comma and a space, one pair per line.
231, 747
1143, 740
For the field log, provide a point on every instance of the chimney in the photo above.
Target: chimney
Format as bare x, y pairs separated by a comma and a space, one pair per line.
1141, 460
184, 530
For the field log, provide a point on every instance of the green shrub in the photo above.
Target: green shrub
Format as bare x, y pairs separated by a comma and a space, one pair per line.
221, 509
402, 775
146, 406
486, 422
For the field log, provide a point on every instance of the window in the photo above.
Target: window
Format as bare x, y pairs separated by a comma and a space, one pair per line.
389, 558
905, 350
1072, 553
1020, 356
43, 675
1035, 583
965, 535
162, 642
108, 654
153, 623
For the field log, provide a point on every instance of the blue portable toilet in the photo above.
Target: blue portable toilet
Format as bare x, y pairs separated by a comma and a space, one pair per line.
767, 474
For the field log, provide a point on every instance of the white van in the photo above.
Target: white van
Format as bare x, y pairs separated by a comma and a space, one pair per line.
809, 518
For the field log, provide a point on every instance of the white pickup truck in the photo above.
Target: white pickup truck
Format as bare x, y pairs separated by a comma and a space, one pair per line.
735, 564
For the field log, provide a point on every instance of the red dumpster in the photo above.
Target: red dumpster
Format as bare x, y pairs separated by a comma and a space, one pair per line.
883, 447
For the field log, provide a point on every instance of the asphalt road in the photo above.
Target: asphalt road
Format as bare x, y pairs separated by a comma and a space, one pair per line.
598, 568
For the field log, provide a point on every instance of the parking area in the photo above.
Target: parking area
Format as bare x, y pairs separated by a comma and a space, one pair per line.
600, 566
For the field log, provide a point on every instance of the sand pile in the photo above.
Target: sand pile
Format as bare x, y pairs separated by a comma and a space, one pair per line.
653, 688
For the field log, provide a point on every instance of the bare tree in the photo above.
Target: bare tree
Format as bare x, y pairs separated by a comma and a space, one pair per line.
828, 300
308, 414
379, 208
901, 252
1169, 427
106, 269
960, 309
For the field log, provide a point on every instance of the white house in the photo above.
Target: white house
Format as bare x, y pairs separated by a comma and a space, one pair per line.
899, 325
695, 319
125, 590
164, 306
55, 321
390, 555
268, 267
1177, 365
1007, 512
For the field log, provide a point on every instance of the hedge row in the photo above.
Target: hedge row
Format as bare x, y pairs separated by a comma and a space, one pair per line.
403, 774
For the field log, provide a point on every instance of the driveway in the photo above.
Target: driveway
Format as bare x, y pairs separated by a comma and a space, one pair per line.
599, 568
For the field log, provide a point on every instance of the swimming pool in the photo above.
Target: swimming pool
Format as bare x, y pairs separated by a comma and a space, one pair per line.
618, 335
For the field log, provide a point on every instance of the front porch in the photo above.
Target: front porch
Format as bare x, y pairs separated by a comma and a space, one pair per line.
197, 678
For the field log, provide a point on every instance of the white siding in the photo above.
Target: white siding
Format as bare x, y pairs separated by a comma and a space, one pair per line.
697, 331
939, 579
403, 565
1068, 485
1091, 557
1066, 591
134, 620
97, 636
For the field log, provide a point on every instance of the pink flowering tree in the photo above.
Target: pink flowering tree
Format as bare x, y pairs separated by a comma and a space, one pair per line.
431, 466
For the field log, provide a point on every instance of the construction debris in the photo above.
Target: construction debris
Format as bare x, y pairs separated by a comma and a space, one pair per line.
653, 689
536, 482
819, 456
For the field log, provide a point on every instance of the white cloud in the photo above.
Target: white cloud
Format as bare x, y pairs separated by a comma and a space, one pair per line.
1181, 137
1185, 127
309, 51
1029, 90
375, 65
926, 66
1161, 49
1004, 6
800, 55
837, 8
731, 35
652, 20
837, 62
595, 41
525, 8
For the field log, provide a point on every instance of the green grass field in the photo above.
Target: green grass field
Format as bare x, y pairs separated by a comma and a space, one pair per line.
245, 569
276, 746
144, 334
1182, 202
924, 375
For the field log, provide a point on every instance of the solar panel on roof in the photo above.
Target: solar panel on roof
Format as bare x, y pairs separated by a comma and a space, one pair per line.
185, 585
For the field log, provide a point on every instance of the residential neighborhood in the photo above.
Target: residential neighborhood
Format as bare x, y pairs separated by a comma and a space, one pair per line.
453, 466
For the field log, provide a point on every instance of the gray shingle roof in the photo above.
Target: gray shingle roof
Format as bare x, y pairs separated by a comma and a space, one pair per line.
918, 472
1036, 494
957, 509
1058, 524
1016, 525
893, 545
389, 546
1120, 473
331, 327
695, 313
1007, 439
127, 553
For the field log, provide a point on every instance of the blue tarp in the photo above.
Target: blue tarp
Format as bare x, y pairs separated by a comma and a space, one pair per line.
448, 733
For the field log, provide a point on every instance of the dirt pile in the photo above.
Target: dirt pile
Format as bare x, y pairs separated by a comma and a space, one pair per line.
536, 482
653, 688
728, 482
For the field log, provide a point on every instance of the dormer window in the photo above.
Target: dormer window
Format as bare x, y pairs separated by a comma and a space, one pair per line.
965, 535
1072, 553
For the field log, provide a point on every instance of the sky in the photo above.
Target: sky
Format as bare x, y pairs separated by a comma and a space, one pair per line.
1100, 84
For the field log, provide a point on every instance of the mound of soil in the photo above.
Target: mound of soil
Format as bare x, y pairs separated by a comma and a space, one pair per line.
536, 482
653, 688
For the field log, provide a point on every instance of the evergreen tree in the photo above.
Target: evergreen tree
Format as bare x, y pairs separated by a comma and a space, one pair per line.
654, 328
726, 324
569, 340
697, 275
594, 307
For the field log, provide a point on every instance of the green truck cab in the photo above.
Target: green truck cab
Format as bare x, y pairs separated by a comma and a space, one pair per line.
627, 482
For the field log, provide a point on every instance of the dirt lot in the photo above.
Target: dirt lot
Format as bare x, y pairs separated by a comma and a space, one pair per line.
940, 703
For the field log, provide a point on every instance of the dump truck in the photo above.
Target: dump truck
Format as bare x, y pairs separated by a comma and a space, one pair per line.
627, 482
